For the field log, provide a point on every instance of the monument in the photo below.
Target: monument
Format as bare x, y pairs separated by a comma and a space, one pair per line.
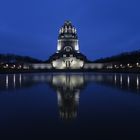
67, 55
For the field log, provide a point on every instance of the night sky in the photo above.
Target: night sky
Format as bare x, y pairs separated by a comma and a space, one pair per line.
105, 27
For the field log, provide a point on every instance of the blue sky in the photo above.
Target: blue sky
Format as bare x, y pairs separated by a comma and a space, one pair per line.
105, 27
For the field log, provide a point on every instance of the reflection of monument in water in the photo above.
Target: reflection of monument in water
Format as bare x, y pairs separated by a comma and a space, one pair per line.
68, 86
68, 93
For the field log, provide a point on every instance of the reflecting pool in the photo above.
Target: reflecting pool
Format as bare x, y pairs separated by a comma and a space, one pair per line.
69, 105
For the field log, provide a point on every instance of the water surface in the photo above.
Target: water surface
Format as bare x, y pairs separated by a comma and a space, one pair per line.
67, 106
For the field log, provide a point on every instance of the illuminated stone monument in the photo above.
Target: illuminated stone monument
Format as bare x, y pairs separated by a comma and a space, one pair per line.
68, 55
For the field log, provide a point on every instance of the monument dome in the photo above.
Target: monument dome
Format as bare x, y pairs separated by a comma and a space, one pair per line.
67, 39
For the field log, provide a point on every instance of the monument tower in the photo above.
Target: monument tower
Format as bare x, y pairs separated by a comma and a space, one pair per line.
67, 40
68, 55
